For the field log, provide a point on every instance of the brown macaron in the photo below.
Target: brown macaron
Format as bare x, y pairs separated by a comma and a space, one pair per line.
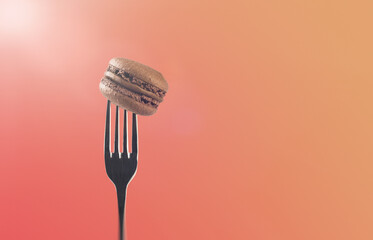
133, 86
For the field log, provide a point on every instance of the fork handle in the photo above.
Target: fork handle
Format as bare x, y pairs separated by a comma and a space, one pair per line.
121, 195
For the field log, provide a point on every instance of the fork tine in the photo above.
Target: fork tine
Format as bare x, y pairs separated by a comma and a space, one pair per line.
116, 139
107, 130
134, 134
125, 136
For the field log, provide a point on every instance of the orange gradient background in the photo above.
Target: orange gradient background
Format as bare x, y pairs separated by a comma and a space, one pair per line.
266, 131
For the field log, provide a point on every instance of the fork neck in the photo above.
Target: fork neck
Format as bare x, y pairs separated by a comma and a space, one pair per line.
121, 194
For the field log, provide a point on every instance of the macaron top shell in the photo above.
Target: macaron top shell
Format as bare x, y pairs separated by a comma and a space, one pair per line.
140, 71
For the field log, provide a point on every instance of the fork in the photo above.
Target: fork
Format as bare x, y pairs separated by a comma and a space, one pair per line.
120, 167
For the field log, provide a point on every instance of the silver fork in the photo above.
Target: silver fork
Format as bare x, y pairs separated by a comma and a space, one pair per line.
121, 167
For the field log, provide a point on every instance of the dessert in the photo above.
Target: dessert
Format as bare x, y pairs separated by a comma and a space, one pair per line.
133, 86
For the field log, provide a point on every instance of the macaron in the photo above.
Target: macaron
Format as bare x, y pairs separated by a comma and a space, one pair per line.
133, 86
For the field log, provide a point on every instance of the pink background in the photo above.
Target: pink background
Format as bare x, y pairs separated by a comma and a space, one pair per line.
266, 131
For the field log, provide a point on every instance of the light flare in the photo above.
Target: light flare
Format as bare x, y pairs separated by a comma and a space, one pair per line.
19, 18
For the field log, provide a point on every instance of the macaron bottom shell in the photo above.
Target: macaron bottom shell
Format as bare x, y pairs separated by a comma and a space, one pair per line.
114, 92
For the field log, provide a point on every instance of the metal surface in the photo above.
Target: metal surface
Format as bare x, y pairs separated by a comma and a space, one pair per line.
121, 167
